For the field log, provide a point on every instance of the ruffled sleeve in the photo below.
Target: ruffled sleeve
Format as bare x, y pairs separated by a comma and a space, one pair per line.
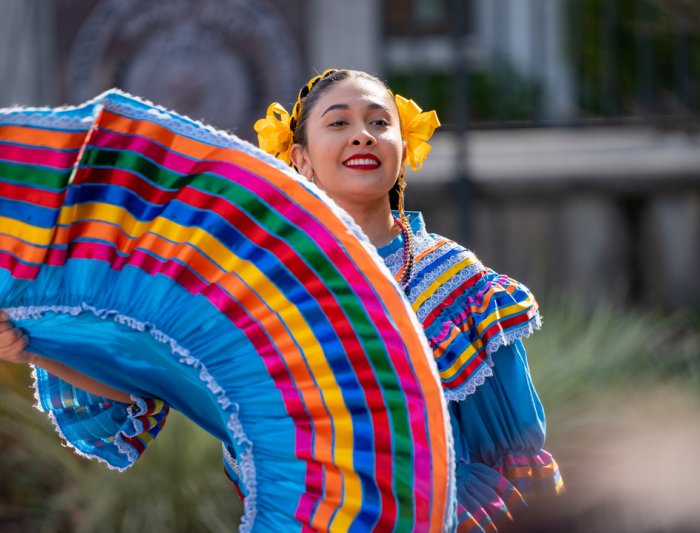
468, 312
502, 425
96, 427
475, 320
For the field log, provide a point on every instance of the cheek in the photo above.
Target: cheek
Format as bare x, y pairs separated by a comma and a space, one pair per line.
394, 147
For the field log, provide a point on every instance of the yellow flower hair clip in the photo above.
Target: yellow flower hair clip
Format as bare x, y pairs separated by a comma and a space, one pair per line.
274, 132
417, 127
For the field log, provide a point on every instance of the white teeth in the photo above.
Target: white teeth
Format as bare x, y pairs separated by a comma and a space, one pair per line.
358, 162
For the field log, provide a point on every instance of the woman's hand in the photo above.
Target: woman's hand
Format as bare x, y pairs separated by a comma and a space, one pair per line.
13, 342
12, 349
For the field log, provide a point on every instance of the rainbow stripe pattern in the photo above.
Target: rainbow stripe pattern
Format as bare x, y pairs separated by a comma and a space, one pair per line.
467, 310
174, 261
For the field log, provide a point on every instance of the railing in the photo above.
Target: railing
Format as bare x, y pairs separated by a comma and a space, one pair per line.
503, 63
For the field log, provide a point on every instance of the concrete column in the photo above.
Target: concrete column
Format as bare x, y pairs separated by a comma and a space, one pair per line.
672, 254
530, 36
26, 60
344, 34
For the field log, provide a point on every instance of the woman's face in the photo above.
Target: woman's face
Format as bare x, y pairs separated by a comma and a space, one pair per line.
354, 148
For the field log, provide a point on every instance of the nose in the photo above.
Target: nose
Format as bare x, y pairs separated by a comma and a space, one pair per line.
363, 138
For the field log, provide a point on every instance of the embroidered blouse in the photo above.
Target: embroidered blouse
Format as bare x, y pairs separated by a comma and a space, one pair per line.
475, 320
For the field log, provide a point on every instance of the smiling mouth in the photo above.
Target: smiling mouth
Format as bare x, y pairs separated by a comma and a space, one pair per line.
362, 162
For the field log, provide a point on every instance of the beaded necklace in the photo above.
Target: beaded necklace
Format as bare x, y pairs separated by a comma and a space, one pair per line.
408, 252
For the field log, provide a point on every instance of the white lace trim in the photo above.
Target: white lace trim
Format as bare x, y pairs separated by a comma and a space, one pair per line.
421, 241
469, 387
503, 338
447, 288
77, 117
246, 472
247, 465
231, 461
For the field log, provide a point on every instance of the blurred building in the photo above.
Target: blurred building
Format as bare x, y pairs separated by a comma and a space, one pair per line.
569, 154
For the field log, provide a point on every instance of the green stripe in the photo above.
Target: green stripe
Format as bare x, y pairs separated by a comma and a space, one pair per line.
276, 225
33, 175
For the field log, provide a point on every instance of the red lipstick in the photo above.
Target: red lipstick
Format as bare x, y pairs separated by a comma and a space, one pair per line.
362, 162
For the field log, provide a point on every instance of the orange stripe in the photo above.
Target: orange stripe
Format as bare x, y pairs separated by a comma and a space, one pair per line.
528, 472
421, 256
23, 250
43, 138
392, 299
440, 348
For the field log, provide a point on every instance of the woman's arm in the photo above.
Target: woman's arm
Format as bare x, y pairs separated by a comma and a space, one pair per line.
12, 349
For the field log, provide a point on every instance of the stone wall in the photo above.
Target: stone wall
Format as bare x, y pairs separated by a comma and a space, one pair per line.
600, 213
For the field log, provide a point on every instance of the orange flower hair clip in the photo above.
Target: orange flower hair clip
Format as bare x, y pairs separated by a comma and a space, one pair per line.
276, 130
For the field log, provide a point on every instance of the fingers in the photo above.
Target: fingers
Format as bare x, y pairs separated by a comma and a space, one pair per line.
6, 326
13, 341
13, 348
9, 336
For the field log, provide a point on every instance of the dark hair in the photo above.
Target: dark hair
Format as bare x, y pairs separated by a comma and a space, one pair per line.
309, 101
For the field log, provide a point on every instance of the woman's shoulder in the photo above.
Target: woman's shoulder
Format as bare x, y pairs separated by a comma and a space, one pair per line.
443, 266
451, 282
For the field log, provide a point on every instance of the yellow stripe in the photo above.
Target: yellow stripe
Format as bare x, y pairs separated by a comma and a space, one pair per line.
26, 232
435, 285
504, 312
275, 299
461, 360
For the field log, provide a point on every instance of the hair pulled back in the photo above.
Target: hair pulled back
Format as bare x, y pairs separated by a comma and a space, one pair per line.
308, 97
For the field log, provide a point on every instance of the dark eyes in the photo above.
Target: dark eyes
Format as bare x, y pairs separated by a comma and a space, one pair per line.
382, 122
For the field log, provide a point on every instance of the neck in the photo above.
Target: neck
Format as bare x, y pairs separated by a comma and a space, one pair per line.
375, 220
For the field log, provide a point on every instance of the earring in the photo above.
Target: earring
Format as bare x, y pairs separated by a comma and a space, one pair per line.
401, 182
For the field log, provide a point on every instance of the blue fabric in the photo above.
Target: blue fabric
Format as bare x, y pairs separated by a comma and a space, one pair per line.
504, 415
101, 424
497, 419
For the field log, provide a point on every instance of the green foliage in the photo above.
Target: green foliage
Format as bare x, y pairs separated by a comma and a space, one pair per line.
496, 94
178, 486
634, 56
592, 368
583, 352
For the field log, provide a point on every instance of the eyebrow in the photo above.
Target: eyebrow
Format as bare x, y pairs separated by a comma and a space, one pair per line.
346, 106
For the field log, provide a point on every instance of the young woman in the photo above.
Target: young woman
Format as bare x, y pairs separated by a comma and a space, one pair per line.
351, 137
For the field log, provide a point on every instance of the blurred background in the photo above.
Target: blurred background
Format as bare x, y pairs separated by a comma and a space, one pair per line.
569, 158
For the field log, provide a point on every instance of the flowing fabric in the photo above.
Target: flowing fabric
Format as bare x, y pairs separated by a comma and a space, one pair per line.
187, 268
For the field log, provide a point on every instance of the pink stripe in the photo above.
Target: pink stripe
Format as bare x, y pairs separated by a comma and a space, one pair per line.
246, 179
144, 146
38, 156
17, 269
264, 348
